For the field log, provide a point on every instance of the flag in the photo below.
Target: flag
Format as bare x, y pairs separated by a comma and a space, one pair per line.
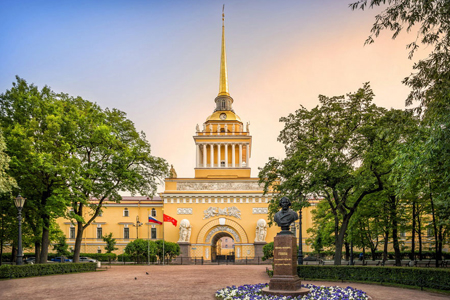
153, 220
170, 219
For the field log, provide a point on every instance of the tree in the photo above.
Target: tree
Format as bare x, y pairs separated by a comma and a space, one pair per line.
110, 243
60, 246
107, 156
170, 250
327, 150
32, 122
140, 249
6, 181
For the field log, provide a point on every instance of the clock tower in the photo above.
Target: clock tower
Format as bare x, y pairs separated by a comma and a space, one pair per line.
223, 145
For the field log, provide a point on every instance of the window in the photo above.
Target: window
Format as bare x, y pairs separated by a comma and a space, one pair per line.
100, 214
72, 232
153, 233
223, 104
126, 233
125, 212
99, 250
222, 164
153, 212
99, 232
402, 234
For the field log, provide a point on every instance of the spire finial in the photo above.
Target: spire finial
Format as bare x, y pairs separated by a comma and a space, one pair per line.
223, 85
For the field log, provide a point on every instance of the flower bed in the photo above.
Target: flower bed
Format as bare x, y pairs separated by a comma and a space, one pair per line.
253, 292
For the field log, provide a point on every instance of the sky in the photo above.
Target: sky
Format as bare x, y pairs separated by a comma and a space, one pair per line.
159, 61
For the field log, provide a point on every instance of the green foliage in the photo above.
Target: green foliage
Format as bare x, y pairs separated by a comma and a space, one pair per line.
61, 247
329, 154
171, 250
100, 256
6, 181
268, 251
12, 271
110, 243
419, 277
140, 249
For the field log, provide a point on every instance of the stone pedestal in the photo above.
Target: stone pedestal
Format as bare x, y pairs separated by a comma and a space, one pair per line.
259, 249
285, 280
185, 252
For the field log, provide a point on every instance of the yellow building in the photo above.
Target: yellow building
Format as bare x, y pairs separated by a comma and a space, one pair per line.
221, 201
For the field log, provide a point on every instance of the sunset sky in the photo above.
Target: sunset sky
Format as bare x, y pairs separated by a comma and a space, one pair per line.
159, 61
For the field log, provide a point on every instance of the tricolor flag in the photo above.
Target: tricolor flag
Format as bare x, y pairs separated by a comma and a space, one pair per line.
153, 220
170, 219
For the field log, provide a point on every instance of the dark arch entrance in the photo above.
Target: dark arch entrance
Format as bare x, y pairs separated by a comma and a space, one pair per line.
215, 257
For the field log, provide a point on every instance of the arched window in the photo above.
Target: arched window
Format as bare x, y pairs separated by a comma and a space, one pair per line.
223, 105
153, 212
125, 212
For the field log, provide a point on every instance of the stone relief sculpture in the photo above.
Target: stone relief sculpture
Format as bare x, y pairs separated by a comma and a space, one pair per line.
261, 230
197, 128
233, 128
185, 231
226, 128
248, 126
210, 127
229, 186
218, 127
204, 127
227, 211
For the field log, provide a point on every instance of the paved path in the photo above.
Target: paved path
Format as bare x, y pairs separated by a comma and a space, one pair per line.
167, 283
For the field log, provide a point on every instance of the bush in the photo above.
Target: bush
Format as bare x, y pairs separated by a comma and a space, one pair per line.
100, 256
11, 271
420, 277
268, 251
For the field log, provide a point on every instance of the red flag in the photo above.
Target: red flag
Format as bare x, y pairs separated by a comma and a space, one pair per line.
169, 219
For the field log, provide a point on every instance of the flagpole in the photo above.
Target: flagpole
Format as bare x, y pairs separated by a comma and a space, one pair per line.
148, 237
163, 236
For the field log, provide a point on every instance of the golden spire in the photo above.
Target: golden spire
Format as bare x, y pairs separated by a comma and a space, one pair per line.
223, 85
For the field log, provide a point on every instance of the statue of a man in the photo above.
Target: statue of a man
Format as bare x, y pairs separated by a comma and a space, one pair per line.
285, 216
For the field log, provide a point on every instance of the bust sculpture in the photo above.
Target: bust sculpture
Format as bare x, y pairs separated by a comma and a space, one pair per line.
285, 216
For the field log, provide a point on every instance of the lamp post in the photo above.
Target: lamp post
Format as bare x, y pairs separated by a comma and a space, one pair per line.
137, 226
300, 239
19, 202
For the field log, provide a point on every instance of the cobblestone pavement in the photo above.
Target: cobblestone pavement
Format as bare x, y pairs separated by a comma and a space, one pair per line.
167, 283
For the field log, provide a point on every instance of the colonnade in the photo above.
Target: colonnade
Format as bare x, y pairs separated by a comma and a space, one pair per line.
203, 154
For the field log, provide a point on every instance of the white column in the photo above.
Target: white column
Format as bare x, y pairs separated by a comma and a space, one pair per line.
233, 157
204, 156
226, 155
211, 155
197, 160
219, 158
240, 155
247, 148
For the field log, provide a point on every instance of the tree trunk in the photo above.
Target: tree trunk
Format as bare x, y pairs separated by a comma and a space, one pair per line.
386, 243
339, 240
419, 235
37, 252
347, 251
45, 243
78, 240
13, 253
413, 233
374, 254
393, 211
436, 246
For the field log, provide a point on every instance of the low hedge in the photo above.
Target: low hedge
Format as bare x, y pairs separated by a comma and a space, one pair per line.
419, 277
13, 271
99, 256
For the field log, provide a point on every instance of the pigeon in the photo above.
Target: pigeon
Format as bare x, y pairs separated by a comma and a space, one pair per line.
146, 273
135, 278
